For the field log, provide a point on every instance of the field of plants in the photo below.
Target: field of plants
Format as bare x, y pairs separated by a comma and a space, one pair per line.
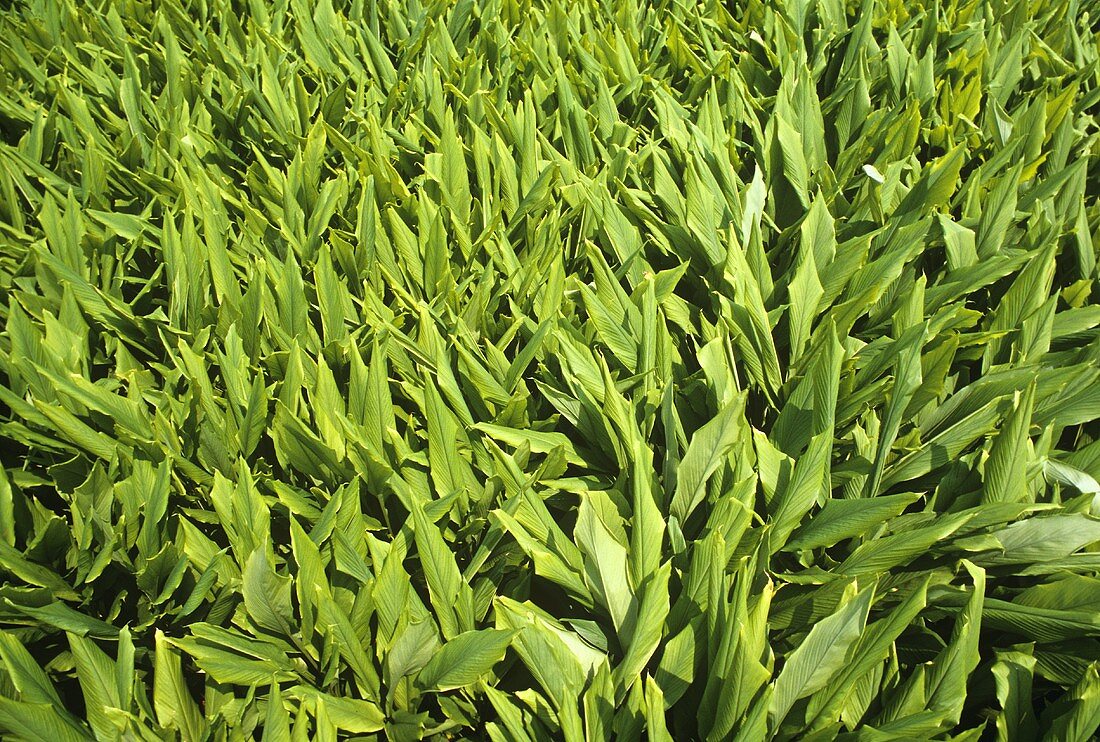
549, 370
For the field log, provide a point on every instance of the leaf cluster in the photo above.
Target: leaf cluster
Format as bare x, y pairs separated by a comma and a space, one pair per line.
530, 370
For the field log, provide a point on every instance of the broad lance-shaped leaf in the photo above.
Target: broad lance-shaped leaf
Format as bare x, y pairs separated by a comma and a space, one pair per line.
450, 595
539, 442
1013, 672
811, 409
331, 296
805, 293
344, 713
412, 649
1068, 593
267, 595
615, 319
1040, 624
29, 679
814, 662
254, 419
464, 659
39, 708
447, 467
60, 616
224, 664
676, 670
175, 708
944, 446
1006, 469
1077, 714
881, 554
96, 673
656, 727
605, 566
598, 703
740, 668
558, 658
840, 520
1041, 539
128, 414
998, 212
818, 233
525, 356
872, 648
547, 563
795, 168
342, 342
938, 690
705, 454
510, 717
935, 186
340, 632
907, 377
277, 720
1083, 482
808, 484
33, 573
647, 526
749, 315
39, 721
647, 632
328, 409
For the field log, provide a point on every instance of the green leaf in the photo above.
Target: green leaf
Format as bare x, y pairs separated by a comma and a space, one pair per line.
96, 673
464, 659
840, 520
1043, 539
1013, 672
605, 566
37, 721
26, 675
267, 595
175, 708
1006, 470
705, 454
1077, 714
276, 720
648, 630
819, 657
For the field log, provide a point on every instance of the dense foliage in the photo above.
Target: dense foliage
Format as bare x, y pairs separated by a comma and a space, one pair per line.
533, 369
